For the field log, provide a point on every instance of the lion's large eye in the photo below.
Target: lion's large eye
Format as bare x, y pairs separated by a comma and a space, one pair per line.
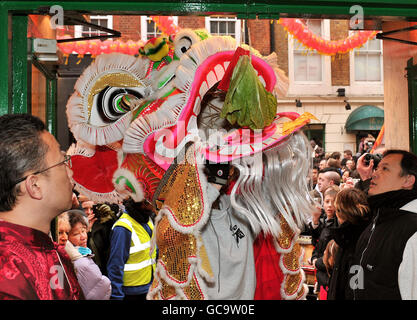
182, 46
113, 102
184, 40
100, 109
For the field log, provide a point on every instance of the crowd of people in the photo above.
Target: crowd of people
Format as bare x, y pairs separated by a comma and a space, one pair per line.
109, 247
364, 228
364, 231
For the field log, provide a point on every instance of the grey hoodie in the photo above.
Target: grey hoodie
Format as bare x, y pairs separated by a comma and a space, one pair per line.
229, 243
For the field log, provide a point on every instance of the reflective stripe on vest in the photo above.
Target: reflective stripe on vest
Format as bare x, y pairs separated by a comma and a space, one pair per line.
137, 245
138, 266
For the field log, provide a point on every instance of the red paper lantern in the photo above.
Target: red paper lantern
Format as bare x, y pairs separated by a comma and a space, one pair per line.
105, 46
94, 47
122, 47
114, 46
81, 47
66, 48
132, 47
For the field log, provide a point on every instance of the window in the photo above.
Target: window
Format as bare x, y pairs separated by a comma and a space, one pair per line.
152, 30
86, 31
368, 62
308, 65
224, 26
366, 69
309, 72
149, 29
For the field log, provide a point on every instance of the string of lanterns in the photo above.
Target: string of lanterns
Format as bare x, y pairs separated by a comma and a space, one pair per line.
96, 47
299, 30
296, 27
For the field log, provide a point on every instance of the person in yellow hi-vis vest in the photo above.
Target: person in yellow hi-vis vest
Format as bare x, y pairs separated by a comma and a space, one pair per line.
131, 265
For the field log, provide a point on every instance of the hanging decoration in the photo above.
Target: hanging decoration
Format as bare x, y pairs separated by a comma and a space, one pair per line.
81, 47
96, 47
166, 25
66, 48
298, 29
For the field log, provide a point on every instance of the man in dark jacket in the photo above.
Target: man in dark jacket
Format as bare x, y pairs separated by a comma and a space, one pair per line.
386, 252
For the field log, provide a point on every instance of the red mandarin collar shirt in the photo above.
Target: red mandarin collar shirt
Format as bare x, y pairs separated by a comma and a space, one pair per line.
33, 267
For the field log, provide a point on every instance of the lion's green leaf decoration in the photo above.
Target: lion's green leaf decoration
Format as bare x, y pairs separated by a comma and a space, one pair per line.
247, 102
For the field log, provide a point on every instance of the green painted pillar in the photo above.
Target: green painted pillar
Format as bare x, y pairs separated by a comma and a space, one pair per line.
19, 64
4, 59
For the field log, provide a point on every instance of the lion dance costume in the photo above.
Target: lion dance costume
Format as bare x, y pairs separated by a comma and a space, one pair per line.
147, 126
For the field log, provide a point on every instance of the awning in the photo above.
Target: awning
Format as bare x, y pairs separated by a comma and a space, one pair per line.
366, 118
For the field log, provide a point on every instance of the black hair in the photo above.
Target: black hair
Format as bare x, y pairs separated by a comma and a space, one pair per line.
21, 150
347, 151
408, 163
75, 217
138, 210
329, 169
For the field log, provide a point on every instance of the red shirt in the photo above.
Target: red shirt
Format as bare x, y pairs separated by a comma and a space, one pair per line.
33, 267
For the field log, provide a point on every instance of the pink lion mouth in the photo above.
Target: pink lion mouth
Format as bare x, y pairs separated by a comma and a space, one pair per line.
163, 146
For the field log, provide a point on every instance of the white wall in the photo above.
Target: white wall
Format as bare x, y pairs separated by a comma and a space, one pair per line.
331, 112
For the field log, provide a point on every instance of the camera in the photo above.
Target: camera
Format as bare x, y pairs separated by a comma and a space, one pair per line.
377, 157
102, 210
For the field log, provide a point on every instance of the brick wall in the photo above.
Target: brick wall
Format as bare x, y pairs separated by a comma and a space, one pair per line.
281, 46
192, 22
129, 26
259, 35
339, 29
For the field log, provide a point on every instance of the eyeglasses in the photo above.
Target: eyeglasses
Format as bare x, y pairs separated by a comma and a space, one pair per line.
66, 161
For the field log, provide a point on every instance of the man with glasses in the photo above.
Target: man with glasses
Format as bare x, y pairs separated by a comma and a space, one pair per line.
35, 187
386, 252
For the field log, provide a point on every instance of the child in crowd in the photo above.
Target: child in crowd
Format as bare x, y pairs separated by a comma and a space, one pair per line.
325, 237
352, 213
95, 286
